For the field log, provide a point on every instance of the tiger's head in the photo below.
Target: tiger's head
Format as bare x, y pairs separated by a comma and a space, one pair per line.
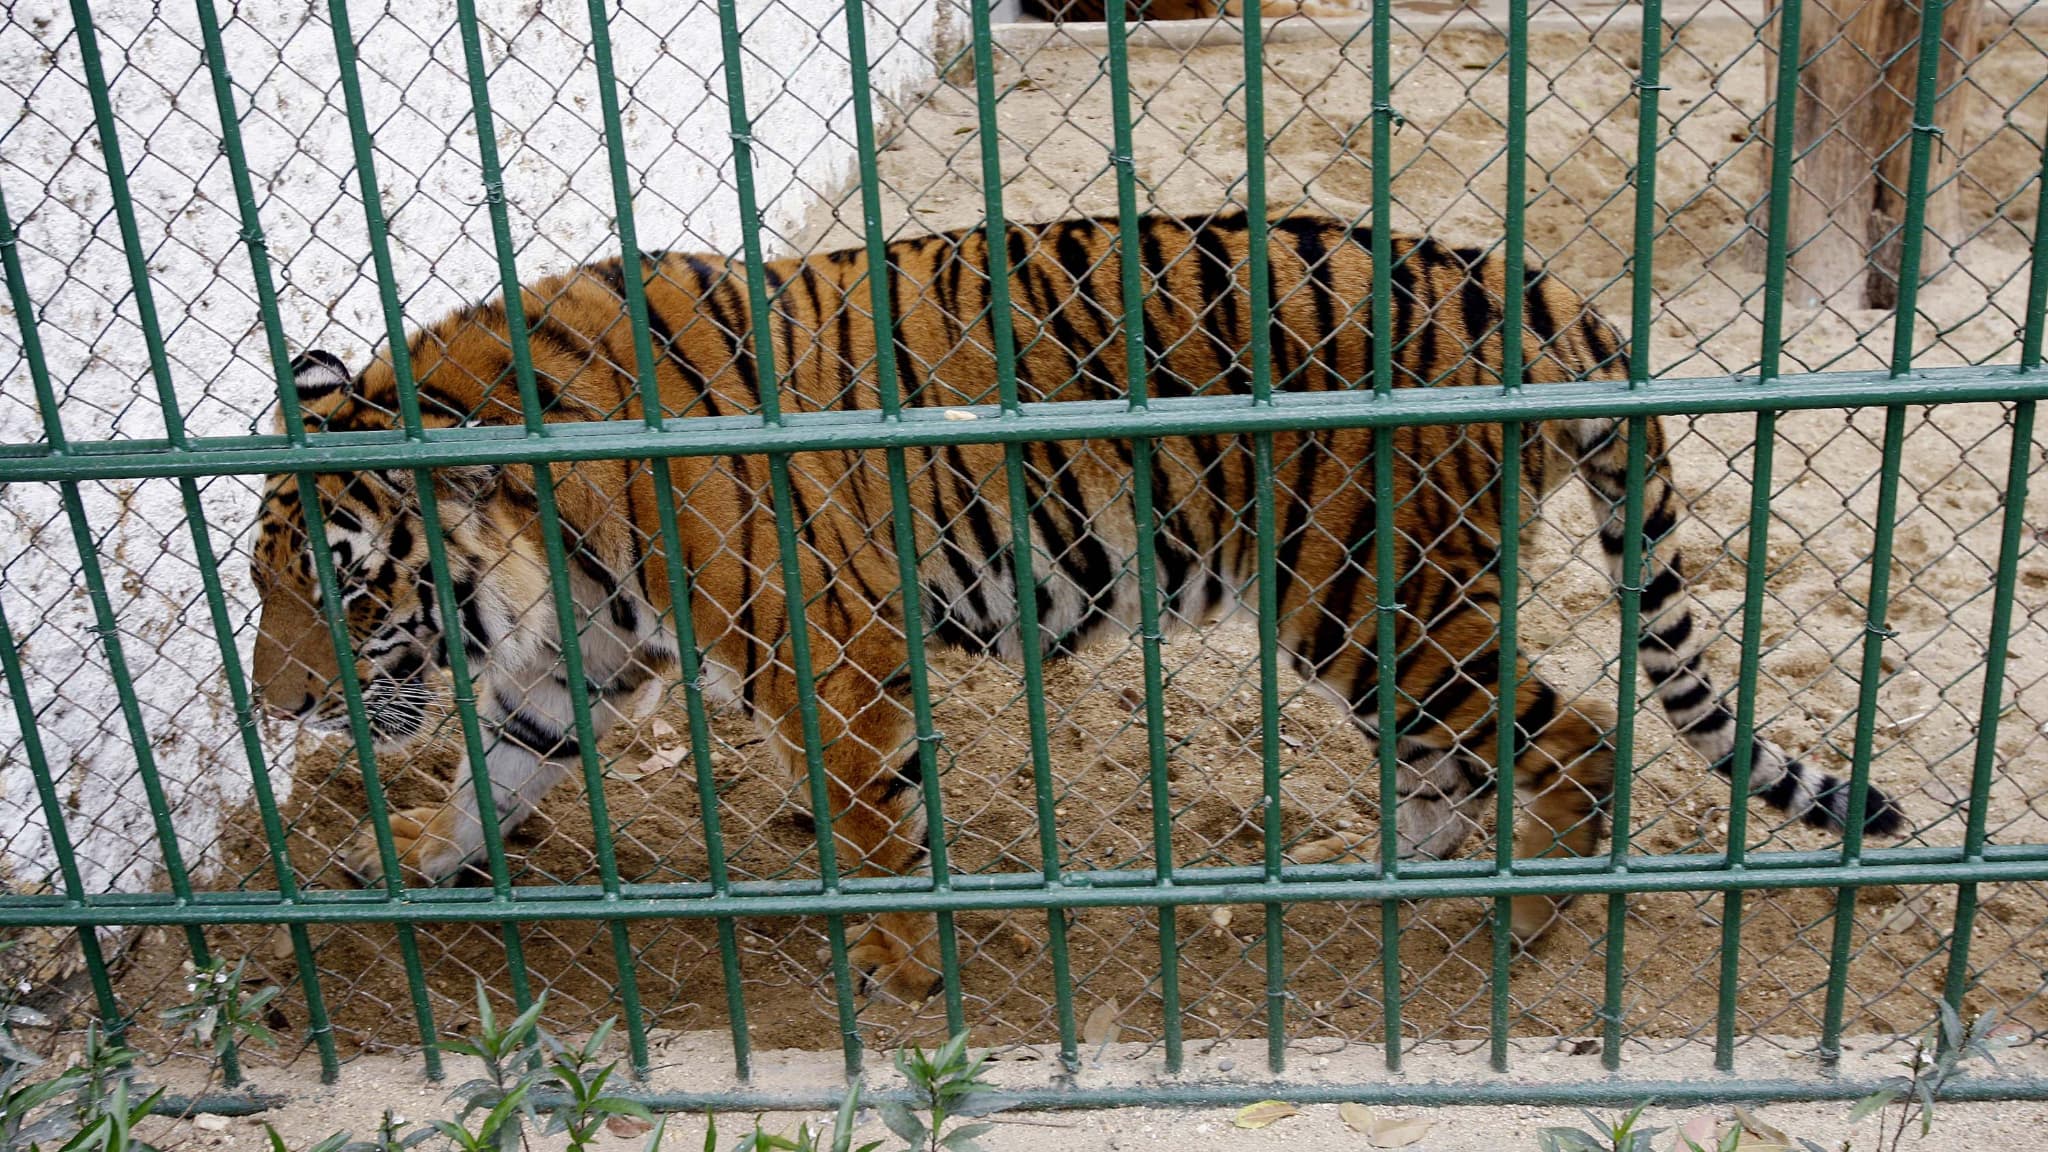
377, 542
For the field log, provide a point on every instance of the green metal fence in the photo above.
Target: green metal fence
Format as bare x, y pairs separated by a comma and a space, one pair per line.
1052, 917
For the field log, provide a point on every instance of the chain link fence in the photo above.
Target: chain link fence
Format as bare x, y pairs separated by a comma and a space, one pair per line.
679, 880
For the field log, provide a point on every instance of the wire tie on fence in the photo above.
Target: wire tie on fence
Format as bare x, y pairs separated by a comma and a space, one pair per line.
1641, 87
746, 138
1625, 586
1121, 159
1880, 631
494, 191
1390, 111
932, 738
252, 235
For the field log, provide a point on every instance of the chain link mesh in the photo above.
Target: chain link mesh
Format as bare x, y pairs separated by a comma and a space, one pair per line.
1054, 117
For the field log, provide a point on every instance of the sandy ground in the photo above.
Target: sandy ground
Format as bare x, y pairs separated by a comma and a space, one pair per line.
697, 1062
1189, 155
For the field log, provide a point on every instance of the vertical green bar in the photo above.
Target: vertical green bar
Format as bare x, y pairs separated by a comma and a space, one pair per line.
1926, 91
881, 312
1511, 369
462, 683
1642, 310
1956, 982
10, 657
763, 333
1143, 501
550, 526
1785, 104
2012, 540
1259, 289
653, 412
1875, 633
1002, 332
1388, 601
1757, 566
1756, 575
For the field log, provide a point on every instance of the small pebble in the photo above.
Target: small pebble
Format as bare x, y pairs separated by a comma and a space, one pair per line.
1225, 1064
210, 1122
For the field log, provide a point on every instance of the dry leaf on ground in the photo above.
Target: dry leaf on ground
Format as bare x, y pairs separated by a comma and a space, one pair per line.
1263, 1113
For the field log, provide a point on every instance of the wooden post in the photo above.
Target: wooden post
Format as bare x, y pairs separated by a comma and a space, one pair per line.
1852, 137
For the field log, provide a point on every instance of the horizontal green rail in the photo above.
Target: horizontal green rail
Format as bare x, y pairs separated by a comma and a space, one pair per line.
1422, 880
1060, 420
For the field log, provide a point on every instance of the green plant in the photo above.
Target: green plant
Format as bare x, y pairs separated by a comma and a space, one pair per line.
947, 1085
219, 1015
511, 1060
86, 1105
17, 1015
103, 1063
582, 1081
19, 1099
805, 1140
1938, 1056
1623, 1135
112, 1127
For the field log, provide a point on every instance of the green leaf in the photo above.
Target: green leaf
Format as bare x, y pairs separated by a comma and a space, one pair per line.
962, 1139
1875, 1102
276, 1141
486, 1020
710, 1131
951, 1053
1568, 1140
842, 1124
902, 1121
1951, 1025
620, 1106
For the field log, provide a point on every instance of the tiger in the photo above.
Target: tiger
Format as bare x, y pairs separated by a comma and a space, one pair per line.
1064, 281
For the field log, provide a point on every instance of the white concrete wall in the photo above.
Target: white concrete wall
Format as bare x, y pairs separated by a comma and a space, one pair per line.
546, 102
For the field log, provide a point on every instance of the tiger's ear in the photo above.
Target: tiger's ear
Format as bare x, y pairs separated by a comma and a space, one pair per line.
321, 380
317, 374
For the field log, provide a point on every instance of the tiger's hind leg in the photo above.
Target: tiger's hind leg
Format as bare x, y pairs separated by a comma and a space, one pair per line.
1564, 774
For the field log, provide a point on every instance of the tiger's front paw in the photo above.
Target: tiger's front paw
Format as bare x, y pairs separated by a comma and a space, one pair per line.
1350, 847
1532, 917
425, 840
887, 964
